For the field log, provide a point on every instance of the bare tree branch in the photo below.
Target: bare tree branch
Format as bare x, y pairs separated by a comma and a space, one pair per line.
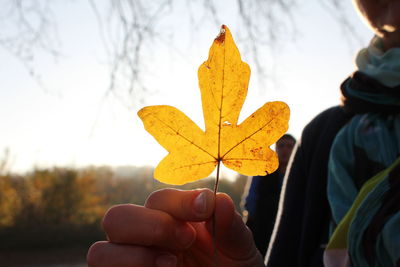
129, 28
33, 30
265, 22
337, 10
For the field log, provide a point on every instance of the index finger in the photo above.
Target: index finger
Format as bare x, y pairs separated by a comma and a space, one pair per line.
137, 225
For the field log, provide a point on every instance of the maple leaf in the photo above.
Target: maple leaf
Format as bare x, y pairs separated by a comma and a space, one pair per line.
194, 153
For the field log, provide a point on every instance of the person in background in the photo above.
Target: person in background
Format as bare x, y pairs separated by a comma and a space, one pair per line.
261, 202
343, 154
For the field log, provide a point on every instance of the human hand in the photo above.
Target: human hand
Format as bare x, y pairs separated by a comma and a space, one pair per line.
174, 228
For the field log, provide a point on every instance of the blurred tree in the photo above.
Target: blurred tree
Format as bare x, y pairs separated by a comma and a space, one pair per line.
55, 207
10, 203
55, 197
128, 28
5, 161
30, 189
70, 199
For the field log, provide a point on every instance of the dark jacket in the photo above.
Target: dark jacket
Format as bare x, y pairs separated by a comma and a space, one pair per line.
264, 192
303, 221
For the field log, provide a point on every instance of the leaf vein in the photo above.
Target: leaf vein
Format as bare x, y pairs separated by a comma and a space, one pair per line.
248, 137
220, 110
184, 137
249, 159
195, 164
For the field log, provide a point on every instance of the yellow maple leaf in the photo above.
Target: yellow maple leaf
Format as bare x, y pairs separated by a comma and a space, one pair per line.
194, 153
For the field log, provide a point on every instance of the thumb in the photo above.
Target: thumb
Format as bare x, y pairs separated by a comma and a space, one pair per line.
233, 237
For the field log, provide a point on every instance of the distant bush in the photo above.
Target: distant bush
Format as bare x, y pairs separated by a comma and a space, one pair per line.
63, 207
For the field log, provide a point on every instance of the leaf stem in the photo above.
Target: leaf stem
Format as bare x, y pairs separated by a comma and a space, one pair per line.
216, 261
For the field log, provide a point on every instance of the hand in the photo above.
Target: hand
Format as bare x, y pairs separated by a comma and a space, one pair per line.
174, 228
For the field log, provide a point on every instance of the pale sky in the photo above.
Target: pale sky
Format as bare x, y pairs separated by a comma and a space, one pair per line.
70, 124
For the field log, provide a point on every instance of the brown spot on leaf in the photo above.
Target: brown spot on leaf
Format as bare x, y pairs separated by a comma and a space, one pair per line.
221, 36
233, 163
257, 152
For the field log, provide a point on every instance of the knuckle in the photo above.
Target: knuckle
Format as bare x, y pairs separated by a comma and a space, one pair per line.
160, 230
108, 218
94, 252
150, 199
155, 197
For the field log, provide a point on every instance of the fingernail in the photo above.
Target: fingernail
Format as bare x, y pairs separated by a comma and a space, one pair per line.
184, 235
166, 260
200, 203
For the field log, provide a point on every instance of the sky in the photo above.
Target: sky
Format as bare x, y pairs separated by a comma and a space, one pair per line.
66, 121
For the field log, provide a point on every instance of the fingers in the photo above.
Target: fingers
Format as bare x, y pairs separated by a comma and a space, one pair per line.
105, 254
163, 220
176, 220
194, 205
234, 239
137, 225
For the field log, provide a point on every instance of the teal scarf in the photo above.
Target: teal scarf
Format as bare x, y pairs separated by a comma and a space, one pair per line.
379, 65
368, 144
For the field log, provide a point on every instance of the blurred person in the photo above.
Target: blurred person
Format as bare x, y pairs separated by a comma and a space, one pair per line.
262, 198
341, 151
173, 228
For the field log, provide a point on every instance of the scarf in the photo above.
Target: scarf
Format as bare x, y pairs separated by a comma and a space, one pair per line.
367, 147
375, 87
378, 64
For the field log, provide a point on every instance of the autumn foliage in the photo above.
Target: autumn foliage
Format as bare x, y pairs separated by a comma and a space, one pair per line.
63, 207
245, 148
